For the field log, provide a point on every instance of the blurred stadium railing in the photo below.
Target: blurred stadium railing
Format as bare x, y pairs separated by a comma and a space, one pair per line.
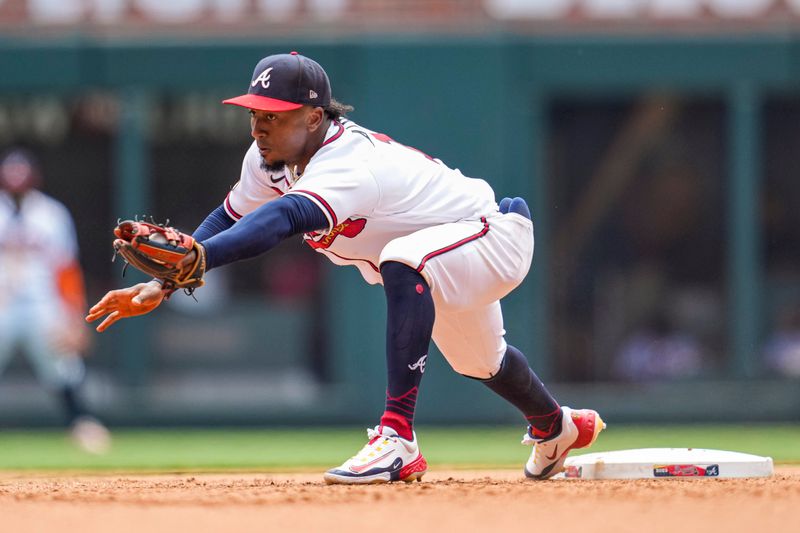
656, 141
235, 18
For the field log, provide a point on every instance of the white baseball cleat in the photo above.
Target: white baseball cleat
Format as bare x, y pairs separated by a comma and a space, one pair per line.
90, 435
386, 457
579, 429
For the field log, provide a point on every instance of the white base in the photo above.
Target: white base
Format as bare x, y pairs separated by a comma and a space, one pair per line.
666, 463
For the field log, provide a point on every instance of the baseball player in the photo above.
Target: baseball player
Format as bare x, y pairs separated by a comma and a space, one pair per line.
443, 249
42, 297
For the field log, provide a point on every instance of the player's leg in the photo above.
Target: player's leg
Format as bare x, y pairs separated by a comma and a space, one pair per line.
472, 342
517, 383
468, 282
409, 325
63, 373
392, 453
8, 336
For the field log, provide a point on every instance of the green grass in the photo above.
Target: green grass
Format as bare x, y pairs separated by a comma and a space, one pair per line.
313, 449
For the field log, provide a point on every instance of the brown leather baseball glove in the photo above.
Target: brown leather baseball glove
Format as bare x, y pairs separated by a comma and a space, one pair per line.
162, 252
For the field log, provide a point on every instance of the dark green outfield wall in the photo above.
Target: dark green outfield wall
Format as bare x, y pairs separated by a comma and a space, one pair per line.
478, 104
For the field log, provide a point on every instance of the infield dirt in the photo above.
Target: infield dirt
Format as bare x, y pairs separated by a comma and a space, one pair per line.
445, 501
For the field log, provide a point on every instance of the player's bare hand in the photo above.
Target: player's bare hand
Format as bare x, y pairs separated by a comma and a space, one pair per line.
125, 303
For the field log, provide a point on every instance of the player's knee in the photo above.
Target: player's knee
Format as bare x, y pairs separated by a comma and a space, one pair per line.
394, 251
477, 373
479, 370
396, 273
396, 268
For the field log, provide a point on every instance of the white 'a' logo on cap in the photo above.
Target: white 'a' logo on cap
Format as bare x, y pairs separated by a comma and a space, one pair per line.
263, 78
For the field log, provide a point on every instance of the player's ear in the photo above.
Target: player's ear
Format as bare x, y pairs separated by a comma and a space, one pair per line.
314, 118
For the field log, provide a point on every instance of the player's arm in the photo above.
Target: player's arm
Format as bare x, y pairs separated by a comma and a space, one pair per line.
251, 191
144, 297
69, 282
69, 336
216, 222
261, 230
253, 235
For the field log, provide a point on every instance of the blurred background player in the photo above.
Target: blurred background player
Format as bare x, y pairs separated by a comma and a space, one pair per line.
42, 298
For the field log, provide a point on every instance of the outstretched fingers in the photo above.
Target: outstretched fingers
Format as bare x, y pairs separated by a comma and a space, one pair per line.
124, 303
110, 319
95, 313
108, 305
100, 308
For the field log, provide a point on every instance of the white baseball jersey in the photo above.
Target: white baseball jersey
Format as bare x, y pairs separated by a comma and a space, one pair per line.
372, 190
388, 202
35, 244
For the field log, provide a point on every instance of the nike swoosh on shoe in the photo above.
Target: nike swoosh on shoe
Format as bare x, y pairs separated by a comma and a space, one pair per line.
555, 454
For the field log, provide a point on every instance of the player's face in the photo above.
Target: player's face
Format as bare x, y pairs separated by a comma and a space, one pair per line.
17, 178
282, 137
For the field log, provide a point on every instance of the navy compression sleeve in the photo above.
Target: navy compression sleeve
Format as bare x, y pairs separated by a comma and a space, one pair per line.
264, 228
216, 222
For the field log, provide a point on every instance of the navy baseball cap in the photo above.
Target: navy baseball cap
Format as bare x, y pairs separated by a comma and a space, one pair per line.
283, 82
